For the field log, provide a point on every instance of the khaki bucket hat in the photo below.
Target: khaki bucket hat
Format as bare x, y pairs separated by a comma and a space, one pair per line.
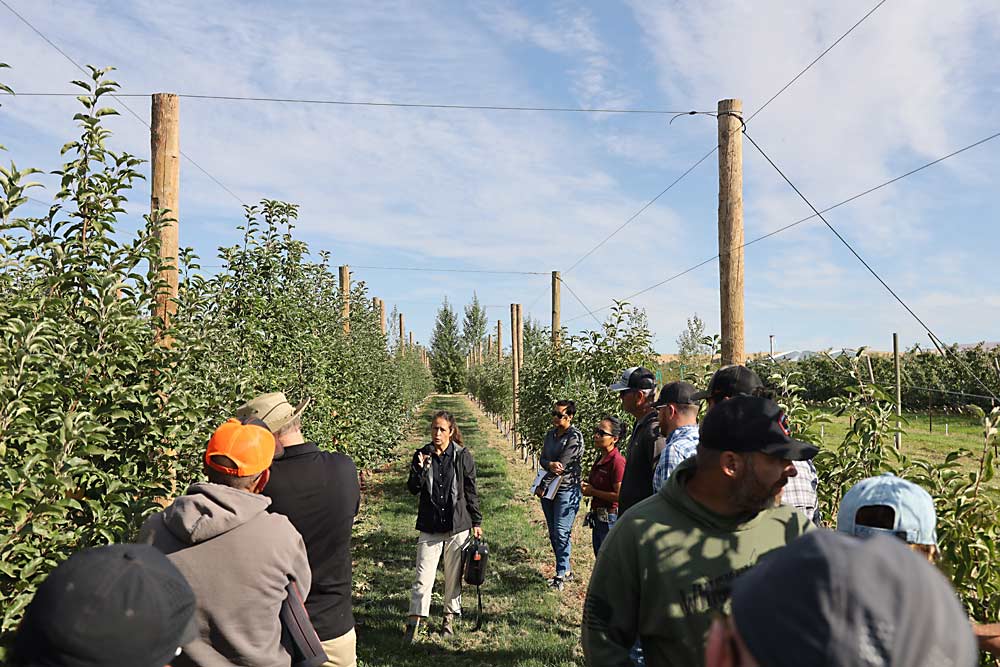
273, 409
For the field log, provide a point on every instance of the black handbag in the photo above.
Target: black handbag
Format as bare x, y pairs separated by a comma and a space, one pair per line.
298, 635
476, 556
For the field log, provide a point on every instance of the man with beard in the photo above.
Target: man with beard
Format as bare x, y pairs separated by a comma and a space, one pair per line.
668, 565
734, 380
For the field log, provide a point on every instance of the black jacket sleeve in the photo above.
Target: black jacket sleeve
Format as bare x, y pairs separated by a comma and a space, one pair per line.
572, 451
469, 487
544, 461
417, 473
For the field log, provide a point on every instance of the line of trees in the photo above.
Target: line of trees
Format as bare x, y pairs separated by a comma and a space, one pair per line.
105, 409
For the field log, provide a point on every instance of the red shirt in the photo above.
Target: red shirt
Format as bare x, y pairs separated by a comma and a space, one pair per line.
604, 475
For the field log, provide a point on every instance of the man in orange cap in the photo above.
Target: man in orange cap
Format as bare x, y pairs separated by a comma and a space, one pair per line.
237, 557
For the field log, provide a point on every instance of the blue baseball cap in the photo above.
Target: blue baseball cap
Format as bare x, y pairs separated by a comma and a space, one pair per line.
913, 508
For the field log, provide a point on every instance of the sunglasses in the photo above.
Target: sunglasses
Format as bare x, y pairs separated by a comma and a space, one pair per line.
600, 431
559, 415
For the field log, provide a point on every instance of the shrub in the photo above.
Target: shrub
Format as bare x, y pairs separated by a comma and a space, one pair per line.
101, 421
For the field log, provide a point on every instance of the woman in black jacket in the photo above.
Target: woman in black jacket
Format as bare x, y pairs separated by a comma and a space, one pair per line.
561, 456
443, 473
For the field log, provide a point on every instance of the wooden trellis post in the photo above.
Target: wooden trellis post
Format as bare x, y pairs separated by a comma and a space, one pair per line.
731, 230
345, 296
165, 150
556, 309
499, 341
515, 373
899, 391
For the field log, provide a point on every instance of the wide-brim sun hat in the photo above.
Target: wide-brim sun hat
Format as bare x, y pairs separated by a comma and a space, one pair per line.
273, 409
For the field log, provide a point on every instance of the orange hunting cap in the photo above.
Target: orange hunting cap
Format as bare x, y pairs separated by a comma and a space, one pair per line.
248, 443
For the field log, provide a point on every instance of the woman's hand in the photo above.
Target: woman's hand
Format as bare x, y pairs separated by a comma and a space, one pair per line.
587, 489
477, 532
557, 468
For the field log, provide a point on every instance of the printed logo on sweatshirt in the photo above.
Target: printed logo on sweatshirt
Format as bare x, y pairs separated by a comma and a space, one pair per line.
706, 596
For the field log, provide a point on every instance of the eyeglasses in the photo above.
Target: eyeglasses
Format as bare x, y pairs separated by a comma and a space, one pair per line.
559, 415
600, 431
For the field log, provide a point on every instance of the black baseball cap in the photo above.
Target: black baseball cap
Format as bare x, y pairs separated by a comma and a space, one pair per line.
752, 424
636, 377
730, 381
679, 393
122, 604
831, 599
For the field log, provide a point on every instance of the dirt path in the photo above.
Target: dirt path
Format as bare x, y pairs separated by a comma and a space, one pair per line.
527, 625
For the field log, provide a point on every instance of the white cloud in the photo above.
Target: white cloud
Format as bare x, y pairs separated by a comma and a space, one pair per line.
536, 191
571, 34
889, 95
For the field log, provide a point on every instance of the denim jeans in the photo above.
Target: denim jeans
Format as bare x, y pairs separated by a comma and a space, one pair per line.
560, 512
601, 530
636, 656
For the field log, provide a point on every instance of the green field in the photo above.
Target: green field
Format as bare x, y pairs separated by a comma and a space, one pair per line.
920, 441
526, 624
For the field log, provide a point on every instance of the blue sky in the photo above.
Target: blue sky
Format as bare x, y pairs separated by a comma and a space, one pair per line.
534, 191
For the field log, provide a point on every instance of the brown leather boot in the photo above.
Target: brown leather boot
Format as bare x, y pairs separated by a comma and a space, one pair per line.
448, 625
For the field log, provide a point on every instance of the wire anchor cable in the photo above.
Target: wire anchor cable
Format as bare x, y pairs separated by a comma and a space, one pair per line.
117, 98
854, 252
843, 202
580, 301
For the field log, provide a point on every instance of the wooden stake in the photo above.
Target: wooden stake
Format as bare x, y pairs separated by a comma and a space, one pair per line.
556, 309
381, 315
165, 149
899, 390
515, 373
520, 337
489, 345
345, 296
402, 333
731, 230
930, 413
411, 339
499, 341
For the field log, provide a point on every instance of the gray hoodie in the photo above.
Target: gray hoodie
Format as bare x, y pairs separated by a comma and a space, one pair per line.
238, 559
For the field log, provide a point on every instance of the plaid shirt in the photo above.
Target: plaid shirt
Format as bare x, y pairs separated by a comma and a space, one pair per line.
683, 443
800, 491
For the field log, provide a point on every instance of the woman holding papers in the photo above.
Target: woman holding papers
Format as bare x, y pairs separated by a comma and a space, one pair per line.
561, 456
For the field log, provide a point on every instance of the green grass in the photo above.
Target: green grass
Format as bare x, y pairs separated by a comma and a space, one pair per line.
919, 441
525, 624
